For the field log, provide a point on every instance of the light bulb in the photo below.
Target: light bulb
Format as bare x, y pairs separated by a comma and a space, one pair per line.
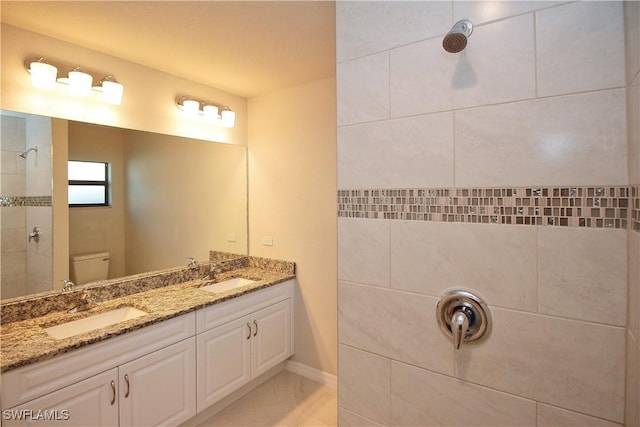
228, 118
112, 92
211, 112
191, 107
80, 83
43, 75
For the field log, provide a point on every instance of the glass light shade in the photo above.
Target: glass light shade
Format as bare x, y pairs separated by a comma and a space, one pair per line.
80, 83
228, 118
43, 75
191, 107
112, 92
211, 112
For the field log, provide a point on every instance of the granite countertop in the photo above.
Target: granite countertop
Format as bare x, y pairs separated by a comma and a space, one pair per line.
25, 341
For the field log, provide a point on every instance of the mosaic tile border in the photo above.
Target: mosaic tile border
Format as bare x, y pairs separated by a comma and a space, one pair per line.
12, 201
591, 207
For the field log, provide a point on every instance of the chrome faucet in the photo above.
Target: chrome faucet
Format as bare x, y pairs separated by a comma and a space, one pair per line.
214, 269
35, 234
85, 302
68, 285
210, 274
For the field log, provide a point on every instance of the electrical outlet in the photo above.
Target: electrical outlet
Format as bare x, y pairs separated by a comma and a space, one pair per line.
231, 236
267, 240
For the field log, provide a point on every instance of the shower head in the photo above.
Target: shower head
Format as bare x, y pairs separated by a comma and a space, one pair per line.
24, 153
456, 39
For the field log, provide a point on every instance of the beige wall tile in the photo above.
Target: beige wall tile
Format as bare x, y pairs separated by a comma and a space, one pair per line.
632, 408
363, 251
14, 239
410, 152
551, 141
364, 384
582, 274
13, 135
363, 28
14, 217
38, 164
496, 261
571, 364
632, 39
633, 130
482, 11
11, 122
580, 47
452, 402
13, 185
10, 163
420, 80
496, 66
633, 311
394, 324
347, 418
550, 416
14, 274
362, 89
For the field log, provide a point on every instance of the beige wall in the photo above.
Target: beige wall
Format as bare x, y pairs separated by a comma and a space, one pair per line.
184, 197
100, 229
149, 94
292, 171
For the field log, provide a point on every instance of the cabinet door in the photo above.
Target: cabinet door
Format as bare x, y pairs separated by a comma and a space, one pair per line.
91, 402
223, 360
159, 389
271, 340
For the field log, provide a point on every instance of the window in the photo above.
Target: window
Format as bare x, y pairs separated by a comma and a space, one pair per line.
88, 183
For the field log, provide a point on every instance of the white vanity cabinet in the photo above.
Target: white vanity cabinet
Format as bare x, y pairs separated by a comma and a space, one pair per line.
157, 389
160, 388
92, 402
145, 377
241, 339
162, 374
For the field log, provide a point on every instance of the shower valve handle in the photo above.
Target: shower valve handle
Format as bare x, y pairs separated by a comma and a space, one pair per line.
459, 327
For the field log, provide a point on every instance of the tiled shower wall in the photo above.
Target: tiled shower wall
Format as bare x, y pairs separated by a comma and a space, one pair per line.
632, 43
25, 202
502, 170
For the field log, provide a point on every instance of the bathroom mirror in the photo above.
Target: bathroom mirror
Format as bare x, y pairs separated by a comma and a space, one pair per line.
170, 198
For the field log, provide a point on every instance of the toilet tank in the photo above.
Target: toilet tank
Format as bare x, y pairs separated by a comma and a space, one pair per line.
89, 267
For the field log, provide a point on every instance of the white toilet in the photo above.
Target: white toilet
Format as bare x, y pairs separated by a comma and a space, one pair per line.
89, 267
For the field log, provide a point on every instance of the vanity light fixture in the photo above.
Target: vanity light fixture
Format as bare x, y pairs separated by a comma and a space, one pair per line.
220, 115
80, 81
112, 91
43, 74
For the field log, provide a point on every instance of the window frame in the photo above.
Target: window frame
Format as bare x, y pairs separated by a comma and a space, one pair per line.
104, 184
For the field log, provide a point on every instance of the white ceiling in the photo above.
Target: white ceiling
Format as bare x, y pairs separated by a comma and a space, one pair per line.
243, 47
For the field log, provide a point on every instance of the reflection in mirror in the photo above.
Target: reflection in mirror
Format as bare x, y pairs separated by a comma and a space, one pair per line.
170, 198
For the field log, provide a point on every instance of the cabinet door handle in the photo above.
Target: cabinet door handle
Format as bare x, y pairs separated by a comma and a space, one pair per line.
126, 378
113, 389
249, 326
256, 332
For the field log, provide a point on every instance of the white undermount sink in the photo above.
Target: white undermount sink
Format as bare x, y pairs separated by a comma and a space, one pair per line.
98, 321
227, 285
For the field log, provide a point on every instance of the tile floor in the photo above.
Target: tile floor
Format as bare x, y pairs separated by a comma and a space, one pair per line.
287, 399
